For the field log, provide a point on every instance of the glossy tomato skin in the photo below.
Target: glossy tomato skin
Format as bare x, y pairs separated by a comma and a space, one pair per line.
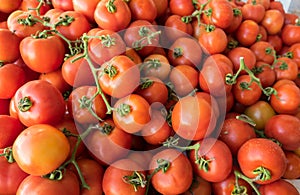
281, 127
181, 7
193, 118
273, 21
87, 8
9, 48
36, 97
37, 185
11, 175
265, 73
30, 146
247, 33
66, 5
286, 68
290, 34
261, 152
280, 187
293, 165
178, 177
113, 179
219, 158
10, 128
143, 10
50, 50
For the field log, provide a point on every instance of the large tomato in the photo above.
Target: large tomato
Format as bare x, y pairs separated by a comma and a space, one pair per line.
40, 149
39, 102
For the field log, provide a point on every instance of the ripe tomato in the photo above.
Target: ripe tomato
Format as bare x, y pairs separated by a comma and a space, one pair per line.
253, 11
181, 7
50, 50
156, 65
273, 21
281, 127
40, 149
131, 113
176, 28
12, 77
4, 108
279, 187
10, 128
292, 170
35, 185
290, 34
119, 77
247, 33
248, 55
87, 8
263, 51
39, 102
176, 178
143, 10
107, 143
213, 161
9, 47
9, 6
193, 118
124, 177
236, 20
263, 159
112, 15
286, 68
265, 73
275, 41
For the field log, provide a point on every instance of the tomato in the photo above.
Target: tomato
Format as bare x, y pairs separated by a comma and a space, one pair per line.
218, 13
176, 28
39, 102
273, 21
77, 73
286, 100
286, 68
76, 28
247, 33
9, 6
83, 109
119, 77
265, 3
10, 128
248, 55
213, 40
236, 20
148, 89
66, 5
263, 51
277, 5
92, 173
87, 8
9, 47
184, 79
161, 7
143, 10
176, 178
234, 133
253, 11
200, 187
131, 113
275, 41
280, 127
280, 187
4, 108
293, 166
265, 73
11, 78
35, 185
181, 7
260, 112
290, 18
10, 176
57, 80
105, 46
182, 52
124, 177
50, 50
156, 65
294, 50
29, 149
263, 159
112, 15
29, 4
24, 24
108, 143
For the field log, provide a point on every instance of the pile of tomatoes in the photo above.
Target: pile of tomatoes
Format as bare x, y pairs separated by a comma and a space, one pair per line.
149, 97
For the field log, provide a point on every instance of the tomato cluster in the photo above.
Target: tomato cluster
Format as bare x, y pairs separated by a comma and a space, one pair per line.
149, 97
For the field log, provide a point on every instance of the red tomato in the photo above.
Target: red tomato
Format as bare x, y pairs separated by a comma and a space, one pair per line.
124, 177
174, 179
263, 51
112, 15
66, 5
280, 187
10, 176
292, 170
12, 77
39, 102
9, 47
10, 128
87, 8
247, 33
286, 68
161, 7
40, 149
265, 73
176, 28
8, 6
34, 185
263, 159
253, 11
156, 65
193, 118
275, 41
273, 21
143, 10
119, 77
4, 108
248, 55
181, 7
50, 50
236, 20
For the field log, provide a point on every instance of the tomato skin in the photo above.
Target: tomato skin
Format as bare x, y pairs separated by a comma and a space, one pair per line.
50, 50
253, 11
123, 81
276, 42
160, 71
37, 185
181, 7
197, 127
286, 68
9, 47
87, 8
12, 77
10, 128
66, 5
280, 187
10, 176
115, 21
263, 51
177, 28
9, 6
219, 156
247, 33
30, 146
293, 166
143, 10
261, 152
4, 108
290, 34
179, 173
113, 183
281, 126
45, 98
265, 73
138, 115
273, 21
56, 79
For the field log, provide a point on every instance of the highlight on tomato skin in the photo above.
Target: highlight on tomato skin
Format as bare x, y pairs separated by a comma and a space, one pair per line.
149, 97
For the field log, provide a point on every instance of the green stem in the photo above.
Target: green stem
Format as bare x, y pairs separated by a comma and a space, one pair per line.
136, 180
140, 44
246, 119
248, 180
7, 153
123, 110
110, 6
39, 6
25, 104
146, 83
263, 174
